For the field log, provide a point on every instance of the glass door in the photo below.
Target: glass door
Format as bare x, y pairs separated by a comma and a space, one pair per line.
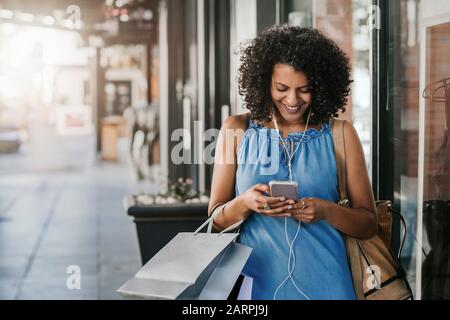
433, 270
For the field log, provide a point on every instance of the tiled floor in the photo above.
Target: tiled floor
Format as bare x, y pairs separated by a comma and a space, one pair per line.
59, 206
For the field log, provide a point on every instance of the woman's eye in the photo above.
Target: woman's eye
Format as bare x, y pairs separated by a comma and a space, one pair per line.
281, 89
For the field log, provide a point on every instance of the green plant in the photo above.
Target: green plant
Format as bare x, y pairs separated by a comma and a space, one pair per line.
181, 190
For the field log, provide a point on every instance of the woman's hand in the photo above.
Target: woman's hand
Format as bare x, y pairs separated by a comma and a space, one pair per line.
255, 200
309, 210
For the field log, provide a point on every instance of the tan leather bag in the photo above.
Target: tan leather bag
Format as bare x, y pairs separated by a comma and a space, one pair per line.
376, 270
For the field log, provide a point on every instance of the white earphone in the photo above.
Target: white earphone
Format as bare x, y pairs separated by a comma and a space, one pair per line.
290, 244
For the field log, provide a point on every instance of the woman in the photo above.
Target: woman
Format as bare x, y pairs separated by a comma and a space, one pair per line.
293, 80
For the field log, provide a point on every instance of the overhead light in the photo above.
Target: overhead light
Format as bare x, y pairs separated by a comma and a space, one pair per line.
124, 18
6, 14
148, 15
48, 20
27, 17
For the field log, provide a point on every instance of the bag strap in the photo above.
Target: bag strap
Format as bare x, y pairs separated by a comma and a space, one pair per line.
337, 128
404, 230
210, 222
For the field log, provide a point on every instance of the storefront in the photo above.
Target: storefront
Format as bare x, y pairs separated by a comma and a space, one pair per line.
414, 122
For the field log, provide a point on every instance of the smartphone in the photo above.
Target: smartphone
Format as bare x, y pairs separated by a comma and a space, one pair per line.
287, 189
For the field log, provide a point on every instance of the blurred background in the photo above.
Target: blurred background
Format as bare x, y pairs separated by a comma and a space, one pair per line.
91, 92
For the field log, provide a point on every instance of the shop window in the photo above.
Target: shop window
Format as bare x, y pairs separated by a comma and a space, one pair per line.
420, 104
349, 23
434, 159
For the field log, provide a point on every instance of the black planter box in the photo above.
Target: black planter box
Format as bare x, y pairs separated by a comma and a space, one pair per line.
157, 224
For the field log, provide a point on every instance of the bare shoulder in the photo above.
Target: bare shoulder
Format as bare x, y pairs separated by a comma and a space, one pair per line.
353, 145
350, 133
239, 121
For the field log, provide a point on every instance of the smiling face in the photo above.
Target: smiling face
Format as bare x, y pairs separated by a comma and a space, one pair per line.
290, 93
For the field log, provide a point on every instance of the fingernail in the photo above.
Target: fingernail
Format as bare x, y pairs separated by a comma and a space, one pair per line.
289, 207
282, 199
291, 201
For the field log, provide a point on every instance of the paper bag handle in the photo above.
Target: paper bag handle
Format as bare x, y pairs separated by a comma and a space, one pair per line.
210, 220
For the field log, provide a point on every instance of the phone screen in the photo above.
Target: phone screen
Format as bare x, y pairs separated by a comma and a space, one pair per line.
287, 189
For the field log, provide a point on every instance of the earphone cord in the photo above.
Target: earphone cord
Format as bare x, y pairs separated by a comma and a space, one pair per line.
291, 255
290, 156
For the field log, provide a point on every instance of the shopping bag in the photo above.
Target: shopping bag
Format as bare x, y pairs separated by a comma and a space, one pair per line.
196, 265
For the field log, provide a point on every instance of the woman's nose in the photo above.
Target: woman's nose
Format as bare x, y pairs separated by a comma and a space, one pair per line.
292, 99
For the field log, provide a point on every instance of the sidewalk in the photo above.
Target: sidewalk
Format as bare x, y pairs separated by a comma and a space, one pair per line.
59, 206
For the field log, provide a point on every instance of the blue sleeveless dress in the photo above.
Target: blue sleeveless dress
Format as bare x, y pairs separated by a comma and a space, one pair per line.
321, 269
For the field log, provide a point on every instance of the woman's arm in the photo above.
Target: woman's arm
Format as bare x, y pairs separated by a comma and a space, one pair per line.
224, 176
359, 221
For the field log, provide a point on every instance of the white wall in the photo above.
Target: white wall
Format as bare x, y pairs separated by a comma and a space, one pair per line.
431, 8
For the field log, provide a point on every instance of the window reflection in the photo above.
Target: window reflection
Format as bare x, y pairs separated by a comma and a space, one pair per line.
347, 23
422, 156
436, 186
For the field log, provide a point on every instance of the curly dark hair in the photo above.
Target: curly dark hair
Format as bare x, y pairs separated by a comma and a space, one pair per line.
307, 50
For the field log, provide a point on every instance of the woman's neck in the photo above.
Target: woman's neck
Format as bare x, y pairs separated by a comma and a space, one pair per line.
292, 126
296, 125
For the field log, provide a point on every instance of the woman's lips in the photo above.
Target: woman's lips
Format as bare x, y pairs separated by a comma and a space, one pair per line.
292, 109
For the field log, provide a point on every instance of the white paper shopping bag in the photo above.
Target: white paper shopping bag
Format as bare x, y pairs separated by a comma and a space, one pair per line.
191, 266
